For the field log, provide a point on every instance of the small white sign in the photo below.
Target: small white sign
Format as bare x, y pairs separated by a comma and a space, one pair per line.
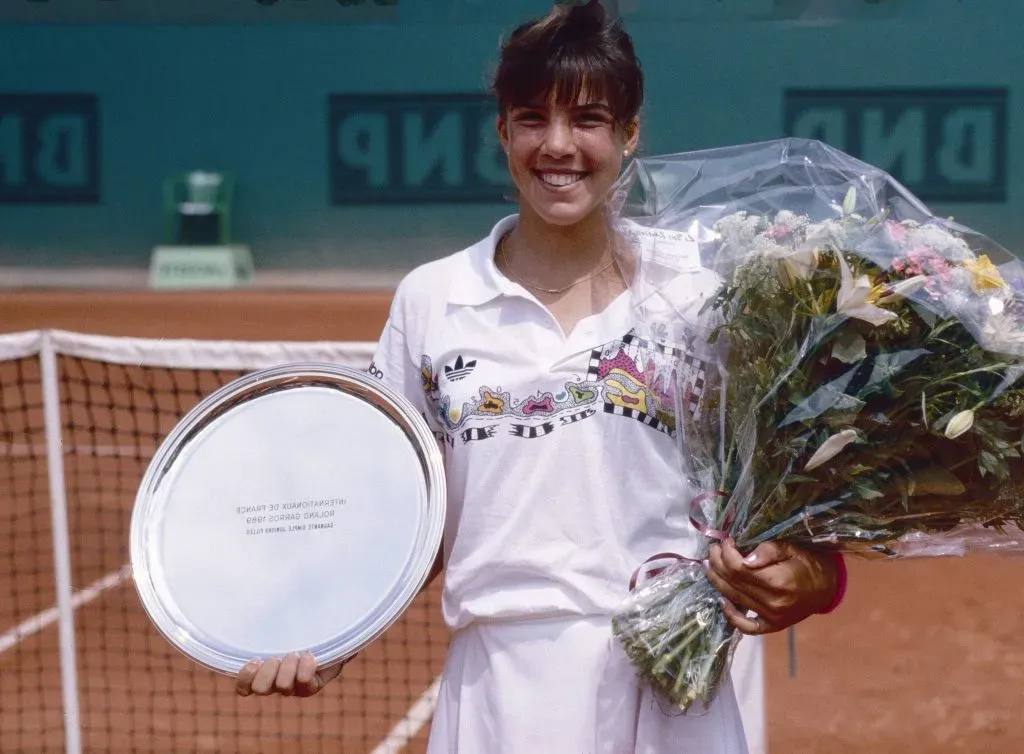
199, 267
670, 248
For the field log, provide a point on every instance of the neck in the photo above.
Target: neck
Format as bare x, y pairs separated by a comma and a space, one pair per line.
557, 253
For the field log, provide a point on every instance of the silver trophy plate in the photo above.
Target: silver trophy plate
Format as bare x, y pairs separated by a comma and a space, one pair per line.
298, 508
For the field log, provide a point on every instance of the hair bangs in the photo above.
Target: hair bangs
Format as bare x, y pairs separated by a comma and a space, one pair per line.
579, 80
567, 79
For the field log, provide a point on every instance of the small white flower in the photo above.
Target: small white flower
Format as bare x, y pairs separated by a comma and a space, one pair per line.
790, 220
738, 230
1002, 333
939, 240
824, 235
795, 265
959, 424
831, 448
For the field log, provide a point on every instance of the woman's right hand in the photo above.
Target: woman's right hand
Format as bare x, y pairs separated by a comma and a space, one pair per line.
292, 675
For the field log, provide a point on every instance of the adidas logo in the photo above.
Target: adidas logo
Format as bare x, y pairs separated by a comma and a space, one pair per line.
459, 370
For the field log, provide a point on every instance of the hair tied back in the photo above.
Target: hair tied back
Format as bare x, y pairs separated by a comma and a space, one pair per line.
592, 11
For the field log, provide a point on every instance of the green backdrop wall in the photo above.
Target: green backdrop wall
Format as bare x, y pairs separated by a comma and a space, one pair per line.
368, 144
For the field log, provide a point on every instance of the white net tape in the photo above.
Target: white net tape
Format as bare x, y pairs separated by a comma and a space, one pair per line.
188, 354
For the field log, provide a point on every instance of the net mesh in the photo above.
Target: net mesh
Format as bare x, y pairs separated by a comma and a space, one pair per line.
136, 692
31, 713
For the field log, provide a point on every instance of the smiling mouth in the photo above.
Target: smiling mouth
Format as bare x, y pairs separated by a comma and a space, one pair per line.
559, 180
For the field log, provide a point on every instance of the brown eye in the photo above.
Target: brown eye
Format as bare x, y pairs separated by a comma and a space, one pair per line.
592, 121
529, 116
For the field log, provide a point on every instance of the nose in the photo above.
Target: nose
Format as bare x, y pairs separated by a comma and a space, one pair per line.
558, 138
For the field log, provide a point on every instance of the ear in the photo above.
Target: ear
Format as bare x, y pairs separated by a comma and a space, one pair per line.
502, 126
632, 135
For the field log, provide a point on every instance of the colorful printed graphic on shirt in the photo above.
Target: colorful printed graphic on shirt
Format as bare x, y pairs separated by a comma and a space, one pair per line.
629, 377
640, 377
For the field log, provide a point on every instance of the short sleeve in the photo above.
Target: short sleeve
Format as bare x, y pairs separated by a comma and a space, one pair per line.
401, 368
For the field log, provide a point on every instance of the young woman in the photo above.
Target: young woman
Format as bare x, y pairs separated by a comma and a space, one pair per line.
561, 480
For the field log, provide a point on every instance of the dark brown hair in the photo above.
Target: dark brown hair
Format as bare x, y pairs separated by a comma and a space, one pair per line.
572, 50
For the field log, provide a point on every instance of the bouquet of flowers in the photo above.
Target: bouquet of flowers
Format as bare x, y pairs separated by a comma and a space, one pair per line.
860, 385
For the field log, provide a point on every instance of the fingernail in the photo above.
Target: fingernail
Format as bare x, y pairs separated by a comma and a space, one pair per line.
706, 563
750, 559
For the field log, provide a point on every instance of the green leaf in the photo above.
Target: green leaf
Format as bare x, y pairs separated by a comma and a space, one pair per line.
865, 490
798, 478
828, 396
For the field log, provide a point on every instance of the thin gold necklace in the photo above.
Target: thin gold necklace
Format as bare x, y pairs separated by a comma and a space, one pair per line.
532, 286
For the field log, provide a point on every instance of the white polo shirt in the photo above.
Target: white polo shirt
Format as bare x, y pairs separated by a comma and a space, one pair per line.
562, 467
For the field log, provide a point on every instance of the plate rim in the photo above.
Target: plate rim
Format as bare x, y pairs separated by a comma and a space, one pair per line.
292, 376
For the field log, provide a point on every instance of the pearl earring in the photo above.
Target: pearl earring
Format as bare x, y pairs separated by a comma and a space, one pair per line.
625, 153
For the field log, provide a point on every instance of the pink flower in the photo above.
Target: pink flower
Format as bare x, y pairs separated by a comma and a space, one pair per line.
897, 231
926, 260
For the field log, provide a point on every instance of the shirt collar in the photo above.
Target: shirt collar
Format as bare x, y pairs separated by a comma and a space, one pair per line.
477, 279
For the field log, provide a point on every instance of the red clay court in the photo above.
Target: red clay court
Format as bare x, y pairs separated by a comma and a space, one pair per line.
924, 656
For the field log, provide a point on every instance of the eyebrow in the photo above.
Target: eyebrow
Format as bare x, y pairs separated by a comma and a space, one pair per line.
590, 106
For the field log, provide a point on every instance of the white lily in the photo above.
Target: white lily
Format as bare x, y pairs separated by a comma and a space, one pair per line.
959, 424
903, 289
857, 298
1001, 331
798, 265
846, 209
850, 201
831, 448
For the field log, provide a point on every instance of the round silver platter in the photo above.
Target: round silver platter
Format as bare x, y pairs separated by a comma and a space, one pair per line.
298, 508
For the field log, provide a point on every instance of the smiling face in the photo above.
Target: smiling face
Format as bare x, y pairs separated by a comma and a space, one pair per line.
564, 157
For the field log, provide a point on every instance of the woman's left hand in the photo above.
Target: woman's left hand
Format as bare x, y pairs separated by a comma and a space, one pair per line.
780, 582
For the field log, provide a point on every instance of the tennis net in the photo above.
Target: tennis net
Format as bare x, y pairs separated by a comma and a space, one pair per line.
81, 667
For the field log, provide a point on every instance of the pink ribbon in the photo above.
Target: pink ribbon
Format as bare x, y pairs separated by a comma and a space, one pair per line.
699, 524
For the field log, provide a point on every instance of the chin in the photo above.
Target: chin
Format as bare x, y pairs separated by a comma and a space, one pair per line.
564, 215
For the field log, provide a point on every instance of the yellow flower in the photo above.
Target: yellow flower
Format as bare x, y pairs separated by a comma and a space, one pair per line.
984, 275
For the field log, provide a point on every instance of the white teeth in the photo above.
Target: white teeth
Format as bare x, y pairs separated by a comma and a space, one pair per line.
560, 179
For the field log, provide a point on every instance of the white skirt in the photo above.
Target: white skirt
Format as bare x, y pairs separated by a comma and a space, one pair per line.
563, 686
